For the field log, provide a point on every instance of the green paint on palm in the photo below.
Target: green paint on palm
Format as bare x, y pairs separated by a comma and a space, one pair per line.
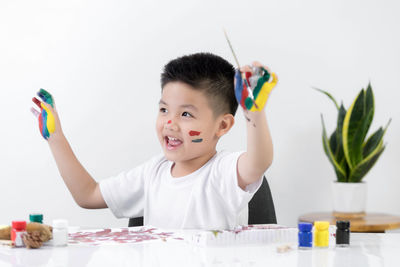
260, 83
47, 96
248, 103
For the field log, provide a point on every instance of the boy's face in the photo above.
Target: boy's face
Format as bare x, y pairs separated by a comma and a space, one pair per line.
186, 126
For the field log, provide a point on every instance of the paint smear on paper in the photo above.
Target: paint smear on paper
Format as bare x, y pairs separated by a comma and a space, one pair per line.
122, 235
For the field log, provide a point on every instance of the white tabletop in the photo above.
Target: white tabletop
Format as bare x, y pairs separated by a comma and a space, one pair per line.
365, 250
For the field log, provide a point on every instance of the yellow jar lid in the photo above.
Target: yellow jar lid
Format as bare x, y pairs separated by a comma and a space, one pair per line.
321, 225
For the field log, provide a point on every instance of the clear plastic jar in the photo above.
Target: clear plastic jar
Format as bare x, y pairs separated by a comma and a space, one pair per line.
60, 232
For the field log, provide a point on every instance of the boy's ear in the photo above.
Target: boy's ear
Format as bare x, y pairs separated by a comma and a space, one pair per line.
225, 124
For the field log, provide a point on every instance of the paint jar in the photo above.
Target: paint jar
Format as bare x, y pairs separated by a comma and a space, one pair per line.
343, 233
36, 217
60, 233
18, 229
305, 235
321, 234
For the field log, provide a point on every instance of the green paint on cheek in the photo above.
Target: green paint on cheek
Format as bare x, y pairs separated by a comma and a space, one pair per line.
197, 140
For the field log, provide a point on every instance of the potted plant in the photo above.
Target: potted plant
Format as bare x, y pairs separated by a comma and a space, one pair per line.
351, 153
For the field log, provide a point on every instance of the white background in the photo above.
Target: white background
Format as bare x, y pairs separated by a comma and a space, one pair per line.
102, 62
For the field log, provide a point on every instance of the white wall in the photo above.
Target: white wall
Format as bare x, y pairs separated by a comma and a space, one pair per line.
102, 62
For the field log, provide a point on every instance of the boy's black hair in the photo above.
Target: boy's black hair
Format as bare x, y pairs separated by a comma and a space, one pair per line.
206, 72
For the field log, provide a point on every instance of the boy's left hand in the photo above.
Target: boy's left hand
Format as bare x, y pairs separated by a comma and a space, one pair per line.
261, 82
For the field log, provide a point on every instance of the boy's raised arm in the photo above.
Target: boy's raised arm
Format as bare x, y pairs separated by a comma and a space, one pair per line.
255, 161
84, 189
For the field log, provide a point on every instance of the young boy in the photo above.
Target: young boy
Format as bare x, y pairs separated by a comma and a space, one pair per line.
190, 185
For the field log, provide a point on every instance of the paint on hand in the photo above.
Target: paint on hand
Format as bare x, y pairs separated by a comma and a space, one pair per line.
46, 97
169, 122
45, 117
197, 140
194, 133
252, 90
37, 102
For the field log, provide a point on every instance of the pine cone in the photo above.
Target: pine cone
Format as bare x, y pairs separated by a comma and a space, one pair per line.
32, 239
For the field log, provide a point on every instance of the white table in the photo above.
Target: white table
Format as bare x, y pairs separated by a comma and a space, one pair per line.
366, 250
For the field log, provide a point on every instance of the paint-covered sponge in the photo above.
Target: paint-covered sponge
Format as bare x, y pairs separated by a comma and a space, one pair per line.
5, 232
45, 231
253, 91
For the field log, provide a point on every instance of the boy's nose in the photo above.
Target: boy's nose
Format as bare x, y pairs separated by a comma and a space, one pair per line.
171, 125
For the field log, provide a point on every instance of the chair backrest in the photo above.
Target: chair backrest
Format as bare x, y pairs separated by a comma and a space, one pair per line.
261, 208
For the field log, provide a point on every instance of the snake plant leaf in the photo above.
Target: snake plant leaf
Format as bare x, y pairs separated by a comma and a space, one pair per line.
374, 140
333, 142
343, 164
328, 95
372, 143
365, 165
366, 123
369, 107
355, 111
340, 173
359, 137
355, 126
339, 140
369, 100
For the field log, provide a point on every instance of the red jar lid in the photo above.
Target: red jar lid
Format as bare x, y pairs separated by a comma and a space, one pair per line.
19, 225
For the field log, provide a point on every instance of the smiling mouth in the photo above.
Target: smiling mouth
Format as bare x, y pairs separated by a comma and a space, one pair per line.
172, 143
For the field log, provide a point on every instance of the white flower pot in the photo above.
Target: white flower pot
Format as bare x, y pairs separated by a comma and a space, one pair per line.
349, 197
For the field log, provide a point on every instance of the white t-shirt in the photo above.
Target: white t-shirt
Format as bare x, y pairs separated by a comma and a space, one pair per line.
208, 198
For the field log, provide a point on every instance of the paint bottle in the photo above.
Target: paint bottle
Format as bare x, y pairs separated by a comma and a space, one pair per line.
36, 217
305, 235
60, 232
321, 234
343, 233
18, 229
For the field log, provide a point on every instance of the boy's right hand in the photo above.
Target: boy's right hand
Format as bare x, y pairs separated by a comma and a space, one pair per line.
253, 84
49, 122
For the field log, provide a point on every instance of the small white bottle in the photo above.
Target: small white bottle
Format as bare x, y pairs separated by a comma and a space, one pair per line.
60, 233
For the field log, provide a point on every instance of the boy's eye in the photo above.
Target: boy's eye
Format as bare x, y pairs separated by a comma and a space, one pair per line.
163, 110
186, 114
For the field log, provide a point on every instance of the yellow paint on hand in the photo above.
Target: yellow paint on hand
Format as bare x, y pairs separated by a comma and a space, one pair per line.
262, 97
50, 119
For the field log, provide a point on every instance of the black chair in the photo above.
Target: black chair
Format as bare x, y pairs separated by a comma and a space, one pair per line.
261, 208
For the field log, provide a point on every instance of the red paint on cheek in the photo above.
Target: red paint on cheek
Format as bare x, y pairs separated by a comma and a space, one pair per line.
169, 122
194, 133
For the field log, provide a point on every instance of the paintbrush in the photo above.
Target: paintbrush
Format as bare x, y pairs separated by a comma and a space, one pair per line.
242, 73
